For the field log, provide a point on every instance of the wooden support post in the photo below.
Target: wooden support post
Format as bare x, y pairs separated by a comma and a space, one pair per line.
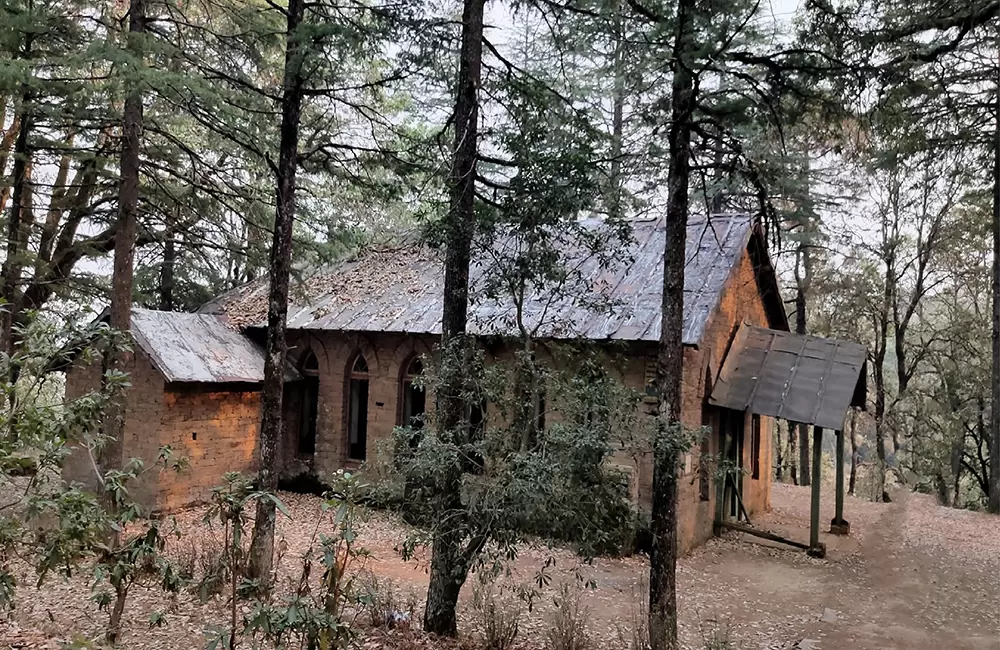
815, 548
839, 526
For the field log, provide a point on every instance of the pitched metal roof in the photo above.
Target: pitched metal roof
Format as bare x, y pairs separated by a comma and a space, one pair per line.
400, 290
796, 377
196, 348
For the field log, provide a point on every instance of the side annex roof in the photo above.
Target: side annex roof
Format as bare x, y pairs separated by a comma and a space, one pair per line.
197, 348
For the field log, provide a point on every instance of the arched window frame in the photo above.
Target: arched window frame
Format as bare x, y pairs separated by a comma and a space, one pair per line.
309, 369
412, 400
356, 393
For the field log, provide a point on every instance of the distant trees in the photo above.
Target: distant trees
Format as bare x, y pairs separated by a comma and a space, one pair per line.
933, 71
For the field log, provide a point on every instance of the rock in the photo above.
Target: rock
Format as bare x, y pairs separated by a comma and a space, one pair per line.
807, 644
830, 615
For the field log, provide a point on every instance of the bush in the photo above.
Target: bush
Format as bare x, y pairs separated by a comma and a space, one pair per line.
187, 562
214, 569
17, 464
382, 600
498, 618
568, 624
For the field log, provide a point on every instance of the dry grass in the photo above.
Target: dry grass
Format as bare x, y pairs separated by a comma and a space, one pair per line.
568, 623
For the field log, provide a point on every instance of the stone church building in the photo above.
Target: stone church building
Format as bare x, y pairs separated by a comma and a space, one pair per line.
357, 333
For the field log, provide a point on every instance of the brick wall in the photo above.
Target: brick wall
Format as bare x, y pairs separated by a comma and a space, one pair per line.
226, 423
740, 302
143, 406
215, 431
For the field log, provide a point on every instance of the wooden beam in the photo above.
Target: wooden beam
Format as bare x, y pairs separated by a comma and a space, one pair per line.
742, 528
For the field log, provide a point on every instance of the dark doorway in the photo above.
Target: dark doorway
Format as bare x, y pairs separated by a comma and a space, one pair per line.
309, 369
357, 410
731, 440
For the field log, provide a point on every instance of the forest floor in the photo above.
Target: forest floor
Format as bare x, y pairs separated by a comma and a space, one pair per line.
911, 575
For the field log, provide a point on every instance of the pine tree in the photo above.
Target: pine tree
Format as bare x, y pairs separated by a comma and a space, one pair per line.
262, 543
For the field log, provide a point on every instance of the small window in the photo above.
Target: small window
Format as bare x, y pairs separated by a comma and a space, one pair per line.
477, 421
755, 447
357, 410
413, 398
477, 431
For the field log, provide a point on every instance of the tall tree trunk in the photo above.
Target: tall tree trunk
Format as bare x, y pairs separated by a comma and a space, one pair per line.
803, 278
994, 496
882, 326
57, 207
449, 562
880, 491
6, 143
262, 543
128, 208
167, 274
12, 263
617, 115
670, 357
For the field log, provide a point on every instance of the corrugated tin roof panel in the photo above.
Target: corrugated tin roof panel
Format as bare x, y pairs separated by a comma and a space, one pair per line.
401, 290
196, 348
796, 377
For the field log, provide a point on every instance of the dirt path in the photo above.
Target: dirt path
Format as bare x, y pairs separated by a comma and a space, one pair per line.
912, 575
908, 592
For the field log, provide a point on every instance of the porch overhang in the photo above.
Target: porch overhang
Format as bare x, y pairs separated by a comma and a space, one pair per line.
796, 377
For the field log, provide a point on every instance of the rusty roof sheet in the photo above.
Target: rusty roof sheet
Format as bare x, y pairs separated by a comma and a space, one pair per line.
797, 377
400, 290
196, 348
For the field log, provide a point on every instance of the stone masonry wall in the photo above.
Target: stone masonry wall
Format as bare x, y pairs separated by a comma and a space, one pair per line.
216, 427
143, 407
225, 422
216, 432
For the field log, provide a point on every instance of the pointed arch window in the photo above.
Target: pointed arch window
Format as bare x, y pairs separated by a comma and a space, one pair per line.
357, 410
309, 369
413, 398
